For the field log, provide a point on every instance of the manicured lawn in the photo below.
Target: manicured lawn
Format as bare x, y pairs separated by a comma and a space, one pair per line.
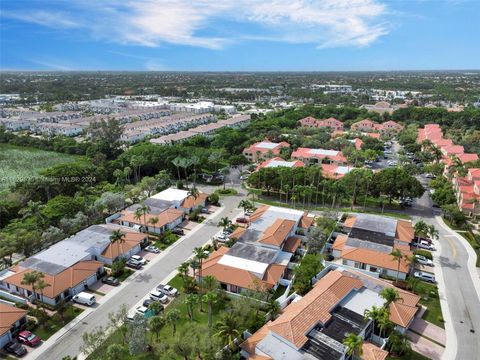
125, 274
165, 240
54, 323
226, 192
411, 356
18, 162
429, 298
176, 282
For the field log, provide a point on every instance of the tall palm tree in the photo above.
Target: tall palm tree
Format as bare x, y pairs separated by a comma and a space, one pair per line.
210, 283
398, 256
384, 324
31, 278
354, 344
374, 314
227, 329
117, 236
432, 232
390, 295
200, 256
245, 205
398, 343
225, 222
137, 215
145, 209
210, 298
156, 324
421, 229
177, 163
154, 221
194, 192
190, 301
172, 317
183, 269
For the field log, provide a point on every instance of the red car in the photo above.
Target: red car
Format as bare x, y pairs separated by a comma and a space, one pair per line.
29, 338
242, 220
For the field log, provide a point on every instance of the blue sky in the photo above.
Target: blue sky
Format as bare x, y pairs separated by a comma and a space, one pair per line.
241, 35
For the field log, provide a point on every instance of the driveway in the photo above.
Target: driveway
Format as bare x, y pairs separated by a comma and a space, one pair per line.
429, 330
68, 341
424, 346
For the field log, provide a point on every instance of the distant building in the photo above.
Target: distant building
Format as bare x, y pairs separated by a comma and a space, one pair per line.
319, 156
279, 162
331, 123
262, 150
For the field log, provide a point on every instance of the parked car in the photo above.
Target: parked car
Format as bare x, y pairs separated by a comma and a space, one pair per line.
205, 210
158, 296
148, 302
424, 276
110, 280
178, 231
133, 264
152, 249
167, 290
28, 338
84, 299
242, 220
423, 260
222, 237
141, 310
138, 259
424, 245
15, 348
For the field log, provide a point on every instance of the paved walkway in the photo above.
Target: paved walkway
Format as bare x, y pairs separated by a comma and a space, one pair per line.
425, 347
429, 330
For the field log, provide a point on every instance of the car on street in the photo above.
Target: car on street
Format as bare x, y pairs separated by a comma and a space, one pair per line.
424, 276
158, 296
242, 220
138, 259
110, 280
178, 231
28, 338
133, 264
15, 348
423, 260
167, 290
152, 249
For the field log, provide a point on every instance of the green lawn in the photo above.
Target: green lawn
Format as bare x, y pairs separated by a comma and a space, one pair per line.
226, 192
125, 274
411, 356
17, 163
429, 298
165, 240
54, 323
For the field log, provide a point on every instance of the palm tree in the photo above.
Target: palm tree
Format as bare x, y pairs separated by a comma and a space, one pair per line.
432, 232
251, 192
183, 269
156, 324
190, 300
390, 295
398, 256
226, 329
398, 343
31, 278
41, 285
210, 283
200, 255
245, 205
374, 314
273, 308
194, 192
195, 161
177, 163
154, 221
225, 222
145, 209
412, 261
172, 317
384, 324
421, 229
354, 344
117, 236
413, 283
137, 215
210, 298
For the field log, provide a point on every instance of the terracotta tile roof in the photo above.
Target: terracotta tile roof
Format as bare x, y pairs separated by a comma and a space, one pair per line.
374, 135
164, 218
237, 233
9, 315
277, 232
292, 244
340, 242
402, 314
350, 222
278, 162
375, 258
306, 221
68, 278
259, 212
275, 149
190, 202
474, 173
405, 231
314, 307
307, 153
373, 352
118, 248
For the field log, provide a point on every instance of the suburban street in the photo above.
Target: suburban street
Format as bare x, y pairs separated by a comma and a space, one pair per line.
138, 285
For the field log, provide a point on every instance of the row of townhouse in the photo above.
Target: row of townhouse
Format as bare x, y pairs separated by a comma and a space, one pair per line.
467, 187
366, 125
236, 121
262, 254
367, 242
61, 128
315, 325
76, 263
12, 320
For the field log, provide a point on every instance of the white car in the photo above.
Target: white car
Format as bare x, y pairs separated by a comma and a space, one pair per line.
167, 290
158, 296
222, 236
141, 310
424, 245
423, 260
152, 249
424, 276
138, 259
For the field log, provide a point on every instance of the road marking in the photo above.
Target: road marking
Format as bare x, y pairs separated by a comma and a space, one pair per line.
452, 245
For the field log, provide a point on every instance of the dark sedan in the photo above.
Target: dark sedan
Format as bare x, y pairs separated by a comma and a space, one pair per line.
110, 280
15, 348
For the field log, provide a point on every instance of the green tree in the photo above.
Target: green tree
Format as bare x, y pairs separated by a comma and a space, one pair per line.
190, 301
309, 267
156, 324
398, 343
398, 256
210, 298
172, 318
116, 352
117, 236
354, 344
226, 329
225, 222
390, 295
31, 279
137, 335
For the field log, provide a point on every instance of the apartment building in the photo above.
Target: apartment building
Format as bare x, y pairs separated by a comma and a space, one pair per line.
262, 253
315, 325
263, 150
60, 128
334, 171
279, 162
332, 123
468, 191
368, 241
319, 156
369, 126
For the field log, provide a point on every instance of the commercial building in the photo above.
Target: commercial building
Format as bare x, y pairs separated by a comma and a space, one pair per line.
319, 156
279, 162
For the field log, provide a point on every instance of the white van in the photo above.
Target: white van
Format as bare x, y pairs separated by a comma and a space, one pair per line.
424, 276
85, 299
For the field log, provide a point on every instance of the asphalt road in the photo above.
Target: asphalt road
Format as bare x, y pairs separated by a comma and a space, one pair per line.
461, 297
140, 285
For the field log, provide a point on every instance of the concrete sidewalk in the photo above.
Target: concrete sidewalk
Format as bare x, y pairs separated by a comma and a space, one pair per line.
429, 330
424, 346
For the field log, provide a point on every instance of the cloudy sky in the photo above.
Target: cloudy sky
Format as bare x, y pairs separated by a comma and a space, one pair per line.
243, 35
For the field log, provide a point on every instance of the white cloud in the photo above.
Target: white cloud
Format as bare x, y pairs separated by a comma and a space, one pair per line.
208, 23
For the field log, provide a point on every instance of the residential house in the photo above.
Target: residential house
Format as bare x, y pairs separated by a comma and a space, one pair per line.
332, 123
390, 128
262, 253
468, 191
263, 150
319, 156
368, 242
315, 325
12, 320
365, 125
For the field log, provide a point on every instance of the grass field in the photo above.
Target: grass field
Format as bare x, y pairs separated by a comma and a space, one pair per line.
19, 163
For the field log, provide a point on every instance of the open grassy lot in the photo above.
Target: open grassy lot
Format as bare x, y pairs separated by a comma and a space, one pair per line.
17, 163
